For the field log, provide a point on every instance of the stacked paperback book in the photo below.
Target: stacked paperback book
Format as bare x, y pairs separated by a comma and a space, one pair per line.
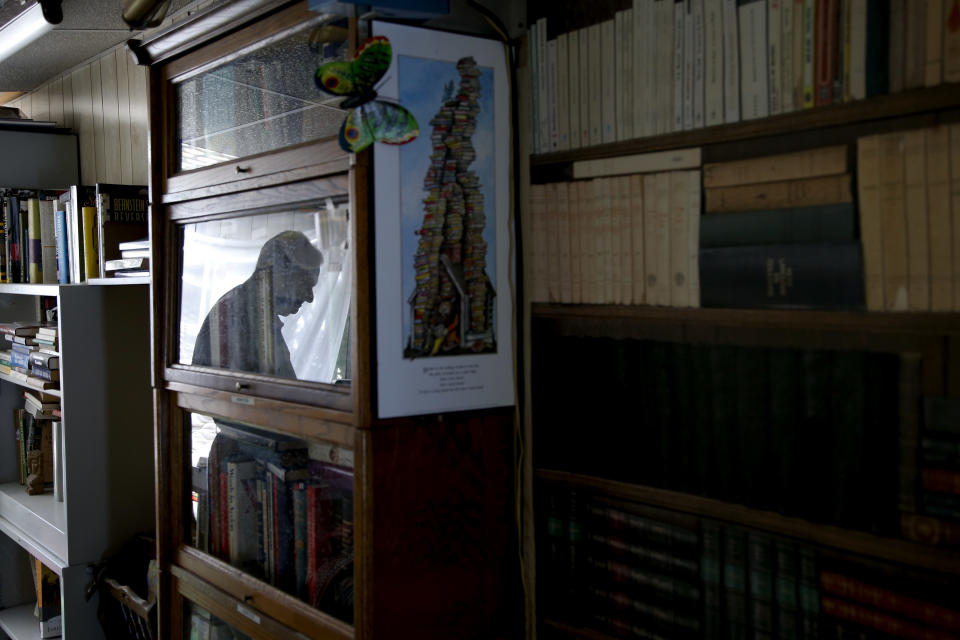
662, 66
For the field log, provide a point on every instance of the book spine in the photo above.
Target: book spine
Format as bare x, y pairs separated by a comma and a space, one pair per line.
694, 206
48, 242
562, 215
626, 89
808, 594
576, 241
785, 590
871, 221
713, 62
825, 53
879, 621
782, 276
573, 87
300, 540
878, 48
938, 217
731, 62
664, 86
754, 90
941, 480
596, 78
951, 41
626, 238
679, 239
90, 243
543, 100
858, 49
914, 49
893, 221
656, 189
955, 206
761, 585
787, 94
586, 86
638, 295
679, 47
774, 56
563, 92
807, 192
796, 225
710, 579
35, 247
808, 53
689, 66
553, 129
735, 582
897, 45
532, 44
63, 259
918, 240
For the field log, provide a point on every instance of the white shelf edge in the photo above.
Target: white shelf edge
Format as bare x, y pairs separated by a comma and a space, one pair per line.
19, 622
119, 281
36, 523
30, 289
9, 378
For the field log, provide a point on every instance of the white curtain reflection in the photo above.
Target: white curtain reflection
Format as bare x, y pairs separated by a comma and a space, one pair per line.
218, 255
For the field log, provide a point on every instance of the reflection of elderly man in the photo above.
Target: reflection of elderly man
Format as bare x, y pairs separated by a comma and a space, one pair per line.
242, 330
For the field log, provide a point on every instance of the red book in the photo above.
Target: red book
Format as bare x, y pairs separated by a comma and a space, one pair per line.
880, 621
941, 480
825, 51
890, 601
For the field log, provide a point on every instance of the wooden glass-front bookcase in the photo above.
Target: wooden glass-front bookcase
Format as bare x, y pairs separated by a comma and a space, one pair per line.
285, 506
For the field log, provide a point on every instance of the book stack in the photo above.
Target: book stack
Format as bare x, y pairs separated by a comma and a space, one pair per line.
618, 239
280, 509
134, 260
31, 240
908, 183
34, 359
661, 66
121, 218
780, 232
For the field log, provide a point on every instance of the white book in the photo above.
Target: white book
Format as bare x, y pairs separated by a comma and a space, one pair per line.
663, 87
786, 56
636, 244
679, 42
679, 239
563, 93
713, 62
774, 76
618, 98
858, 49
609, 80
657, 239
651, 162
698, 64
808, 53
543, 108
642, 67
799, 8
626, 77
565, 285
553, 125
596, 85
626, 239
534, 90
731, 62
754, 96
586, 84
693, 238
688, 70
573, 87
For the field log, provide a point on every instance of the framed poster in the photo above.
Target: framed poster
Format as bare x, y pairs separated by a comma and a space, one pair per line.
443, 242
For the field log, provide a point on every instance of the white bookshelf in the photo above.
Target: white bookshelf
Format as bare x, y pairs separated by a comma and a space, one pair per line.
19, 622
107, 442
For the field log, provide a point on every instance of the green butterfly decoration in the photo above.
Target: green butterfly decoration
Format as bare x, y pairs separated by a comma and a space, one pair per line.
368, 120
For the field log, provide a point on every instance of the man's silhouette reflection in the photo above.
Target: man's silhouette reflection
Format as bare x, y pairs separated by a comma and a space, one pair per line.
242, 330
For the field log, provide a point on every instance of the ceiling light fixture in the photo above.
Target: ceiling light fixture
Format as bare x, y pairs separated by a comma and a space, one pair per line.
24, 29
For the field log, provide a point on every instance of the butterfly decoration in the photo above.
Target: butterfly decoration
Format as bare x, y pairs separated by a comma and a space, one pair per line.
368, 119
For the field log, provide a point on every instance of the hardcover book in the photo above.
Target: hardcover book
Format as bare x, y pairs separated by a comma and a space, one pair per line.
121, 217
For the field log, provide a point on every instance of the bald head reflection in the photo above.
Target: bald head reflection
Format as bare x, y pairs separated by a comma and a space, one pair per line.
292, 266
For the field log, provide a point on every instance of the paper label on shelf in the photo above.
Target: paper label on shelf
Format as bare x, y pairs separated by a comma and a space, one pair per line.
247, 613
242, 400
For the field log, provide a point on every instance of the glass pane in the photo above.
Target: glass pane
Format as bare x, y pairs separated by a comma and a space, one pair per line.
265, 100
200, 624
277, 507
269, 293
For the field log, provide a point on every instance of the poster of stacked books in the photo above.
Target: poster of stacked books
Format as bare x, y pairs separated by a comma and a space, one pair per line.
443, 267
663, 66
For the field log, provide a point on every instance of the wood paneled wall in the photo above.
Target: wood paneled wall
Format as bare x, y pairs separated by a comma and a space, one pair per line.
105, 103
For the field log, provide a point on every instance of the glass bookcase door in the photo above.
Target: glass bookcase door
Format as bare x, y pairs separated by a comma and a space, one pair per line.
268, 293
262, 99
200, 624
277, 507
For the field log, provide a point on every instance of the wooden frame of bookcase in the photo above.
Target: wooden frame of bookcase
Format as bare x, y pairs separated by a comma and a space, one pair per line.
422, 568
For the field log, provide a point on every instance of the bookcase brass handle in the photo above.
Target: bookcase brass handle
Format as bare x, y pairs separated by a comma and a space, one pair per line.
243, 169
241, 386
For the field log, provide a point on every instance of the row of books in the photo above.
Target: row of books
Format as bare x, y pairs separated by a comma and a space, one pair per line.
281, 510
618, 240
908, 184
71, 236
673, 65
633, 570
763, 427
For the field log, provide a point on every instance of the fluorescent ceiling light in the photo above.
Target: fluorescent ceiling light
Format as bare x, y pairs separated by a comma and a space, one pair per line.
22, 30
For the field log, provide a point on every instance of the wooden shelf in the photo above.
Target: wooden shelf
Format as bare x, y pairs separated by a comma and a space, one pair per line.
927, 323
895, 105
19, 622
891, 549
30, 289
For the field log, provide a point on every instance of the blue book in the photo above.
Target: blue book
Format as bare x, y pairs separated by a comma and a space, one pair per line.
63, 259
